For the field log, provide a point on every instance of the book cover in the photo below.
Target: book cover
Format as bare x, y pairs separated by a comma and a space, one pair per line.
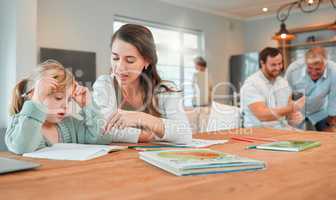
196, 143
292, 145
199, 161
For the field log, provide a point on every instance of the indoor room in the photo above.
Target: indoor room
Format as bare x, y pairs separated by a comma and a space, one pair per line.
158, 99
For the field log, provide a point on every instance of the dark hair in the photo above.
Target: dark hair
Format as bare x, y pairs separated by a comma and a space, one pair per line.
200, 61
150, 81
267, 52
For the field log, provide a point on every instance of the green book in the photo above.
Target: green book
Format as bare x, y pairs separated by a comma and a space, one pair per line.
184, 162
292, 145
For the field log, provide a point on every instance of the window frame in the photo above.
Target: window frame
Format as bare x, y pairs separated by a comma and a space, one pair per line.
182, 52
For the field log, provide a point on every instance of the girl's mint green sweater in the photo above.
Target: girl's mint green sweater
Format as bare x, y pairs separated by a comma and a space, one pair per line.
24, 131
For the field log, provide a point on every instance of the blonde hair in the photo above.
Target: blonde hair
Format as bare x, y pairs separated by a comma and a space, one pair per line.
316, 54
50, 68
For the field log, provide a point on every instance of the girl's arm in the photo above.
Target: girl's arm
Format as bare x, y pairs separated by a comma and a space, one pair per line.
86, 129
23, 134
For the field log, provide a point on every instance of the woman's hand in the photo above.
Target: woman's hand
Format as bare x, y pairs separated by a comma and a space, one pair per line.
43, 88
146, 136
81, 95
122, 119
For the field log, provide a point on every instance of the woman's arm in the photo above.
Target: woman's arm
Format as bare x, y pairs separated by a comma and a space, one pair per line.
174, 125
105, 99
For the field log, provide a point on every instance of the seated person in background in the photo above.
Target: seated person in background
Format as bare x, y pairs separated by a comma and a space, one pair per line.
39, 111
315, 77
201, 82
266, 96
137, 105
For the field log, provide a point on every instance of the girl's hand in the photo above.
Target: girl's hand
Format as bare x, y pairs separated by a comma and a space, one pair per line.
122, 119
81, 95
43, 88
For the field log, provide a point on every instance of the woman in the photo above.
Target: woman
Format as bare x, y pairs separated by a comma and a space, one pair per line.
137, 105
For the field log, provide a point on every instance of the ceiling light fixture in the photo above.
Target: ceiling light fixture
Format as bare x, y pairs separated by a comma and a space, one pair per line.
306, 6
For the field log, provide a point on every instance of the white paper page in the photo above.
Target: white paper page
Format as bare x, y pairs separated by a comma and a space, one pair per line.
70, 151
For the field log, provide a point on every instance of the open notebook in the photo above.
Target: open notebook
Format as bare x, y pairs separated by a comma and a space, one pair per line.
71, 151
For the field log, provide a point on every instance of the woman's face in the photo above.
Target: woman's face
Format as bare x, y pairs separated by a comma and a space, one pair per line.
127, 62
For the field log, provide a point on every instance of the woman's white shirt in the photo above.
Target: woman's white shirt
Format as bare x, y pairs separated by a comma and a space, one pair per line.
177, 127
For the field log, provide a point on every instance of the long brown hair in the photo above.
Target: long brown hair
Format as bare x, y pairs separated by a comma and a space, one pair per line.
150, 81
25, 86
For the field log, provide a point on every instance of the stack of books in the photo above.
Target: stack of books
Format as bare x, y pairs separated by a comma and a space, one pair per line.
184, 162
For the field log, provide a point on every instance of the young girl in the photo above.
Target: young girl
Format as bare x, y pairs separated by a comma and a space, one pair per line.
137, 104
39, 111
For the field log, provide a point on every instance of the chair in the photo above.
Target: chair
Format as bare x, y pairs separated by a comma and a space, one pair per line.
198, 118
223, 117
3, 146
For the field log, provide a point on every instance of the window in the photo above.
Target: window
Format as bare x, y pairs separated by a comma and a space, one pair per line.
176, 49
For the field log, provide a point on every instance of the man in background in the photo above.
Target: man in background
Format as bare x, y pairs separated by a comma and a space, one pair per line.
266, 96
315, 76
202, 85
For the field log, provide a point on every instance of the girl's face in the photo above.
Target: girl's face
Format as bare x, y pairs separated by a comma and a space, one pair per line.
58, 105
127, 62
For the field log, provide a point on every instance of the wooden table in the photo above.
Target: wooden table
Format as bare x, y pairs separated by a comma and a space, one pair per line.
310, 174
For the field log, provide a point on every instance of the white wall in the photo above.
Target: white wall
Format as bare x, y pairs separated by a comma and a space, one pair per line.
87, 25
26, 37
18, 20
7, 55
258, 33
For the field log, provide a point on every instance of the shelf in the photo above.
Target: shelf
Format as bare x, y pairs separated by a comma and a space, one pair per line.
312, 28
295, 44
322, 42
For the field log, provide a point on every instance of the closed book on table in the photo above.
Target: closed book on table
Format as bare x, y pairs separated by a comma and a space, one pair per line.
199, 161
293, 145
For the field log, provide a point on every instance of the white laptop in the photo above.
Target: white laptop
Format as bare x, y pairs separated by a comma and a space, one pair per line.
11, 165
